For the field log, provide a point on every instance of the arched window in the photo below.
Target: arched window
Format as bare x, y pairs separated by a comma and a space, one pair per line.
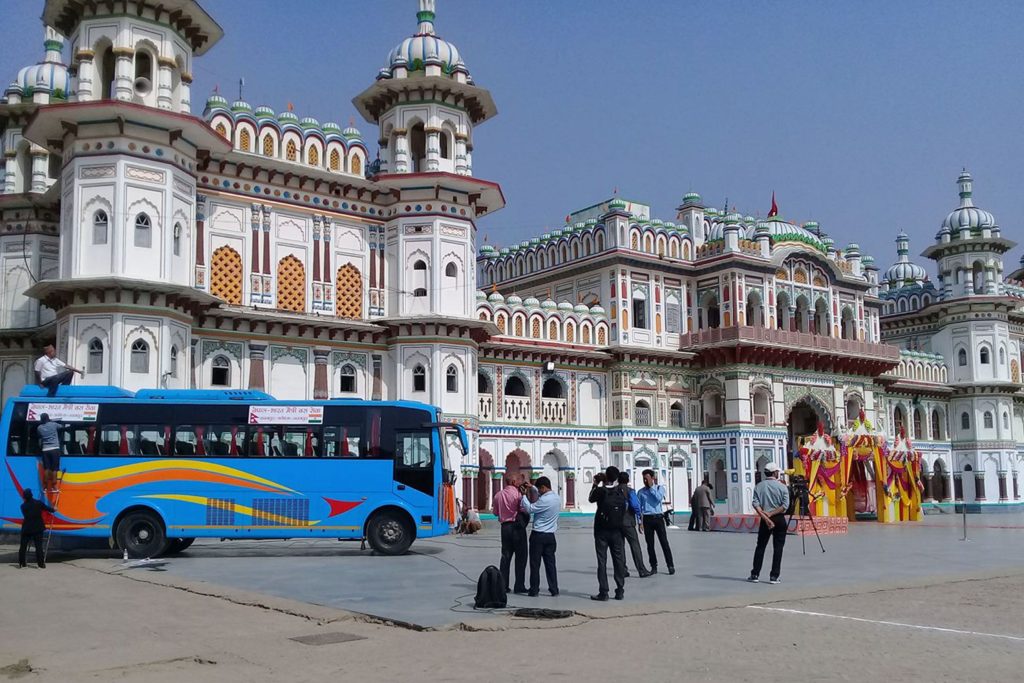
1006, 420
442, 140
176, 239
419, 378
291, 151
987, 420
483, 383
961, 357
143, 231
357, 165
983, 355
451, 270
347, 383
552, 388
245, 140
173, 369
640, 309
268, 145
144, 70
898, 421
313, 158
514, 386
978, 277
677, 414
1002, 356
936, 426
642, 414
94, 363
918, 425
99, 227
965, 421
419, 292
335, 160
419, 265
140, 357
220, 372
451, 379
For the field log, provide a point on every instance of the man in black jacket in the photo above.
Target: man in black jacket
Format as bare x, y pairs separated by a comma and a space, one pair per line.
32, 527
611, 510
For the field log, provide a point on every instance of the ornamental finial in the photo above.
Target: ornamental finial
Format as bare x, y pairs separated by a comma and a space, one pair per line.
425, 17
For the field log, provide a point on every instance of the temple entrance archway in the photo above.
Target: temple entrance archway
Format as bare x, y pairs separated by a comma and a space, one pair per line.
518, 466
802, 421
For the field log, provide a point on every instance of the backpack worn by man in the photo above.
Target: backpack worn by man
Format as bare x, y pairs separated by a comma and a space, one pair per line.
613, 508
490, 589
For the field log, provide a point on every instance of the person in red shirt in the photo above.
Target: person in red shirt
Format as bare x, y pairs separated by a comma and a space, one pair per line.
513, 533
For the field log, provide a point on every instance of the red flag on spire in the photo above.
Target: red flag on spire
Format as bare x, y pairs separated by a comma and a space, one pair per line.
775, 209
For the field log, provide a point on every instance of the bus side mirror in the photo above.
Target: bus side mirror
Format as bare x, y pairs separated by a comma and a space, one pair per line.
463, 439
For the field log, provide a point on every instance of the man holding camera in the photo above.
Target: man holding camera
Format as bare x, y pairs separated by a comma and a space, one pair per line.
544, 504
611, 511
771, 499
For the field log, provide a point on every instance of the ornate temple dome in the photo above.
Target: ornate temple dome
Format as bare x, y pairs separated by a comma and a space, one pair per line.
425, 48
967, 215
904, 271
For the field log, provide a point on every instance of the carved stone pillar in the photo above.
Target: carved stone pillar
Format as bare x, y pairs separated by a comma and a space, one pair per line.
164, 99
958, 487
1016, 489
401, 151
40, 159
467, 492
193, 360
433, 149
185, 90
86, 75
321, 388
200, 268
257, 355
927, 493
124, 87
268, 294
255, 279
570, 492
947, 489
1002, 487
461, 167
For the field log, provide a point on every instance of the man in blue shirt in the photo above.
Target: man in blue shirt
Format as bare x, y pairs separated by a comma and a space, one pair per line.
630, 524
544, 504
651, 496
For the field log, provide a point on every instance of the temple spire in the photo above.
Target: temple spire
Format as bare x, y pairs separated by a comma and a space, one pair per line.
426, 18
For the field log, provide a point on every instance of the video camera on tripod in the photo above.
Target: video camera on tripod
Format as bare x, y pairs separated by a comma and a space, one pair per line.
800, 494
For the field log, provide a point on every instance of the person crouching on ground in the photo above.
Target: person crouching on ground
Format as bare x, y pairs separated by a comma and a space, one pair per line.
771, 498
630, 524
32, 528
611, 510
513, 533
544, 504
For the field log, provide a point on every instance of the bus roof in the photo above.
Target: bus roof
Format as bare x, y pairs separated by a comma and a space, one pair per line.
102, 393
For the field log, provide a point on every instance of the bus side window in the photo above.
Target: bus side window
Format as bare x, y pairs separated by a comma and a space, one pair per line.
16, 441
151, 440
413, 449
342, 441
184, 440
300, 442
117, 440
78, 439
257, 443
222, 440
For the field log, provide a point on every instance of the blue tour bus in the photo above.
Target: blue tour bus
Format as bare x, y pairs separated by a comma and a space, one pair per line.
155, 469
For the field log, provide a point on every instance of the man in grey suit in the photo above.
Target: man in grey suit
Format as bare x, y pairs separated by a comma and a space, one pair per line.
703, 503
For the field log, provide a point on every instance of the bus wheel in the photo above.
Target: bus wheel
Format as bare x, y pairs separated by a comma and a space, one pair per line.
176, 545
141, 534
389, 533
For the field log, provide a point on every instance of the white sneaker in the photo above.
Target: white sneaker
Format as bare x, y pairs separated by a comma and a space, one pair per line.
774, 581
753, 579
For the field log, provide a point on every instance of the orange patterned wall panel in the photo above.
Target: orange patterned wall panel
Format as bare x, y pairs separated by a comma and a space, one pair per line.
291, 285
349, 299
226, 275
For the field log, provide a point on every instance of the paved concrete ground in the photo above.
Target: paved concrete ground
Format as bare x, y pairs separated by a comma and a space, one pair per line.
892, 602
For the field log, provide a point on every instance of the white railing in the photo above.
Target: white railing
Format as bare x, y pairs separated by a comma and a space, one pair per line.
554, 410
517, 409
486, 410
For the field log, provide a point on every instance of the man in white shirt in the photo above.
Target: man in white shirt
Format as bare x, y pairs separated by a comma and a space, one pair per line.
52, 372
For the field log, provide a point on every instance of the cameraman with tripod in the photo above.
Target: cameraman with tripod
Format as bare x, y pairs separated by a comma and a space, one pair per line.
771, 499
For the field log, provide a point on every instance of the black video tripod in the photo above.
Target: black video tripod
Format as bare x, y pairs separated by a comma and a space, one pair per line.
803, 500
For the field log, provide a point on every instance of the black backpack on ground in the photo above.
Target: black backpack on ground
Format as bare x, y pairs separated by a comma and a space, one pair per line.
612, 508
490, 589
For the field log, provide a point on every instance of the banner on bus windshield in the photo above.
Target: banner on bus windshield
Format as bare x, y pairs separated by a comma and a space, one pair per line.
286, 415
63, 412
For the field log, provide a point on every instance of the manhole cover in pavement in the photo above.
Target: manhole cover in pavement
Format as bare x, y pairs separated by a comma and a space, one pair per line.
327, 638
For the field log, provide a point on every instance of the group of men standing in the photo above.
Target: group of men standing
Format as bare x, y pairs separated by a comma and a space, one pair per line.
622, 516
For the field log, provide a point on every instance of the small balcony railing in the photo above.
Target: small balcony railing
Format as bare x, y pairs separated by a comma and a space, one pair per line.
554, 411
517, 409
486, 409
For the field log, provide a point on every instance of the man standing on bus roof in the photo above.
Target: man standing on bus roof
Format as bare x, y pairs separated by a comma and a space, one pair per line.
48, 432
52, 372
32, 528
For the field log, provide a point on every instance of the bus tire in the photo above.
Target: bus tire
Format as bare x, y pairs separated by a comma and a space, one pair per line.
177, 545
389, 532
142, 534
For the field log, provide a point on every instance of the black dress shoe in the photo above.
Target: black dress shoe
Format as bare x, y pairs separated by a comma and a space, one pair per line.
600, 597
627, 575
644, 575
671, 570
554, 594
619, 594
533, 594
521, 592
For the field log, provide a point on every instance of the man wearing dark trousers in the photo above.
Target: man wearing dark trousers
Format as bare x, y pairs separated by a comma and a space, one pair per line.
611, 510
544, 504
513, 533
630, 524
771, 499
32, 528
651, 496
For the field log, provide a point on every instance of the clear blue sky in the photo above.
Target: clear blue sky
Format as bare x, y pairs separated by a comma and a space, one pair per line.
857, 114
